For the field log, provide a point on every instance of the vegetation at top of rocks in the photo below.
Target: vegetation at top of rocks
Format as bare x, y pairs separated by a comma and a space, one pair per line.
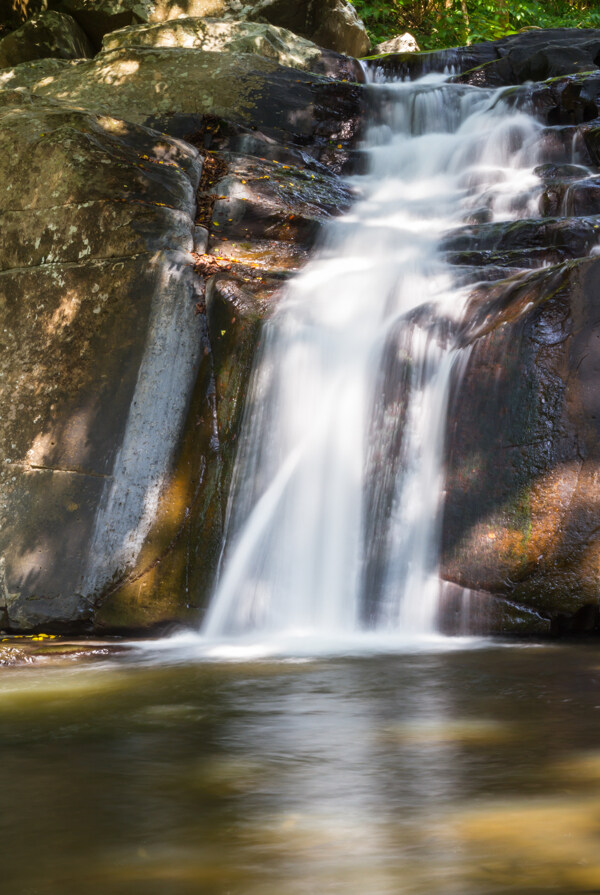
447, 23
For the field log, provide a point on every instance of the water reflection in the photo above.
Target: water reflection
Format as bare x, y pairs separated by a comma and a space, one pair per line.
473, 772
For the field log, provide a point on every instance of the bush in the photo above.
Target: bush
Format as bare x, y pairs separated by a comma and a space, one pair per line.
447, 23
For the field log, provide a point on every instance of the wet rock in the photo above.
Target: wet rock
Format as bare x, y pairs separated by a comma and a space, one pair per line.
521, 513
464, 612
272, 200
591, 136
579, 197
528, 56
49, 34
235, 316
535, 56
262, 216
220, 36
570, 100
525, 243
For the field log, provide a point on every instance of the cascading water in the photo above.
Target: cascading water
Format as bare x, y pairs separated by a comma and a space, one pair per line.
333, 524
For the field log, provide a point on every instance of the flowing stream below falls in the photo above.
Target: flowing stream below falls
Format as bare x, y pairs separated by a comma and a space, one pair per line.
334, 522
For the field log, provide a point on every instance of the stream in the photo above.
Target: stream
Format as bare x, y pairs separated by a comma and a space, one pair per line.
472, 771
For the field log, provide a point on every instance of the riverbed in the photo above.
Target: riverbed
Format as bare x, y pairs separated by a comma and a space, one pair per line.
470, 768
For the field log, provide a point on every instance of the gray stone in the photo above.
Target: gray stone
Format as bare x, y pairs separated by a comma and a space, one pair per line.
403, 43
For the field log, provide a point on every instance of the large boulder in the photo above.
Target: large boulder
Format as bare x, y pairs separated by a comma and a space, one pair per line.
103, 362
521, 512
118, 429
173, 89
338, 27
49, 34
224, 36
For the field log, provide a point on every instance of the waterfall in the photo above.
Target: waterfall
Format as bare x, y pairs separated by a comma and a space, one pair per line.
334, 518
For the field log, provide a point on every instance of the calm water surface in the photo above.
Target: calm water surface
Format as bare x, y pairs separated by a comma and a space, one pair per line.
467, 771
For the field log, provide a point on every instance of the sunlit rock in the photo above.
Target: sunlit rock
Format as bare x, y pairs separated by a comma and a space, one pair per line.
403, 43
332, 24
173, 88
224, 36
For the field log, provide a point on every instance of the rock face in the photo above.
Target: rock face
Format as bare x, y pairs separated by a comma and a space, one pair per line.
101, 349
155, 199
521, 509
520, 530
134, 274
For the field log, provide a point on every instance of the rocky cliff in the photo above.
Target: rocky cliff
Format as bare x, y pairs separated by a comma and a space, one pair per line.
166, 167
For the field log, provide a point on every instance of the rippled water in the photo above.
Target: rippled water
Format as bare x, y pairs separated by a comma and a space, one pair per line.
471, 771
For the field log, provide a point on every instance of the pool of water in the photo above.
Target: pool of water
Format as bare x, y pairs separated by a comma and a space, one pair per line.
463, 771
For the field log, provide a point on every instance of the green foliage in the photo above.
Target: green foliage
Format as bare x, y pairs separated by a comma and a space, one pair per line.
447, 23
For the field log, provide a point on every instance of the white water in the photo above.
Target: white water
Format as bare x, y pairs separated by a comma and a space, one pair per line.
334, 522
